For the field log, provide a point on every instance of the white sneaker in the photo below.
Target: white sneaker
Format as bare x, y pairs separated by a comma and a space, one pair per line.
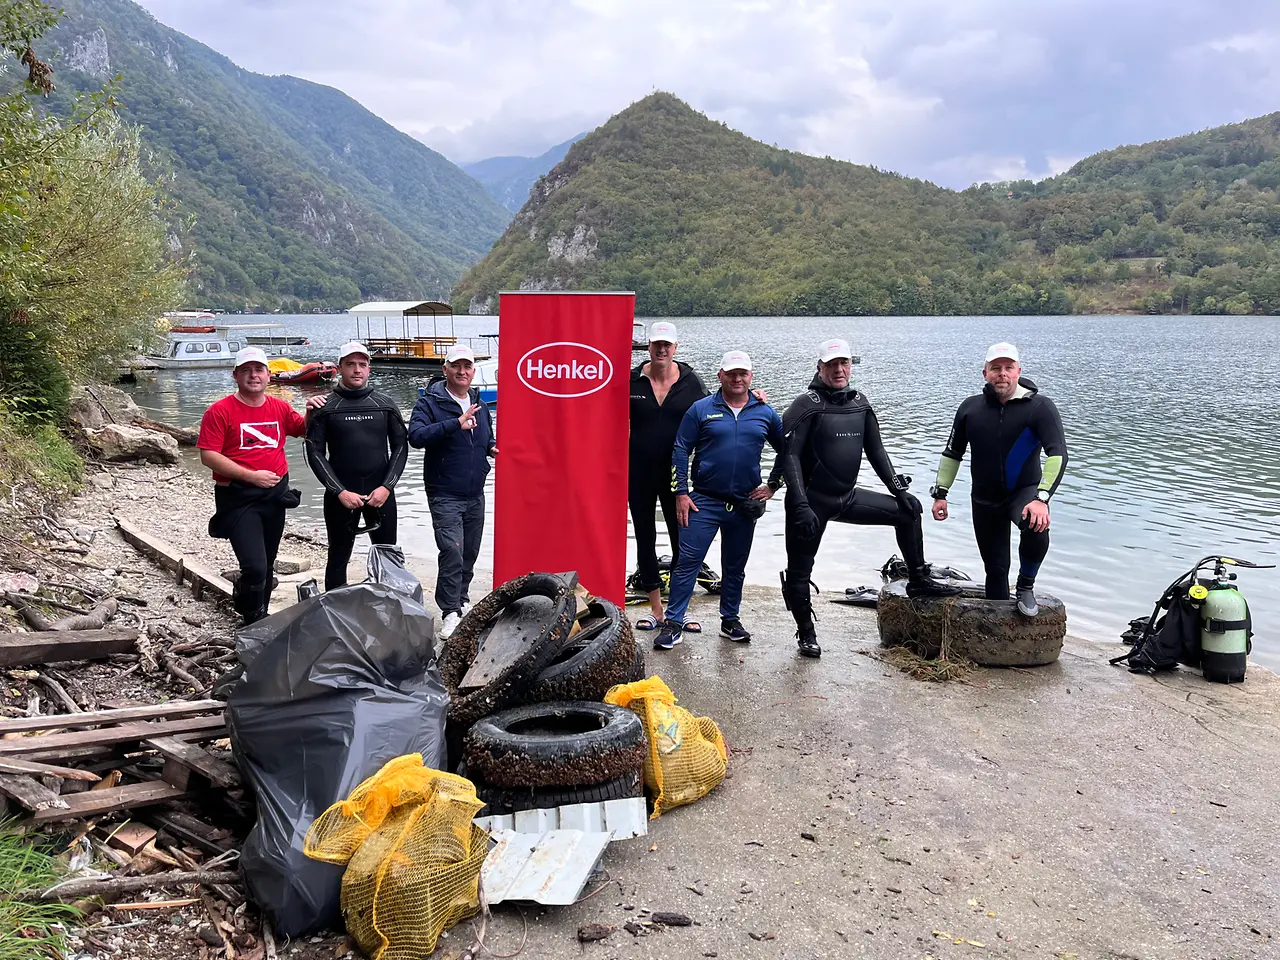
466, 607
449, 624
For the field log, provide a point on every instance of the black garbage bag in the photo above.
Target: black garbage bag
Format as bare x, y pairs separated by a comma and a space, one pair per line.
328, 691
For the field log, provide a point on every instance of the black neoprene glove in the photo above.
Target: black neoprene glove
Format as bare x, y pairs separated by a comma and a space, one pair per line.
806, 520
908, 503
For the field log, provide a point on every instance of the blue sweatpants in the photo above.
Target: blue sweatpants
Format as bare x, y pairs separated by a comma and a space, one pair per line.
736, 531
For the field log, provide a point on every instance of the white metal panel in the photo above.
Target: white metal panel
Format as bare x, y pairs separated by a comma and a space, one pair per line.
550, 868
622, 819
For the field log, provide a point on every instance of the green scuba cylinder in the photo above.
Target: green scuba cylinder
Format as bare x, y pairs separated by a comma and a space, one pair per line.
1224, 633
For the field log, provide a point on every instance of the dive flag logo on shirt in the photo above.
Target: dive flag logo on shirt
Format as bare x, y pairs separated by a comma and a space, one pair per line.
260, 436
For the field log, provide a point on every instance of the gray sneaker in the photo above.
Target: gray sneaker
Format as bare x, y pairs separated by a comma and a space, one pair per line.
1026, 598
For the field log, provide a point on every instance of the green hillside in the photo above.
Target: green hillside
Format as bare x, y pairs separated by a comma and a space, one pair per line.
298, 198
700, 219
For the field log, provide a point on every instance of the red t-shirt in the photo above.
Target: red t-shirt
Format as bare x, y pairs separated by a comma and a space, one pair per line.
252, 437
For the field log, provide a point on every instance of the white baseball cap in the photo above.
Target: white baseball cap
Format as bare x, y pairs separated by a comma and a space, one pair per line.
735, 360
833, 349
662, 332
350, 347
1003, 351
251, 355
460, 351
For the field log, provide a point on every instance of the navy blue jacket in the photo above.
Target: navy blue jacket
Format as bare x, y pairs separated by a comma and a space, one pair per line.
456, 460
726, 449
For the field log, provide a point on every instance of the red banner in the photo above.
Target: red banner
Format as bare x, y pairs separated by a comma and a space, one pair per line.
561, 472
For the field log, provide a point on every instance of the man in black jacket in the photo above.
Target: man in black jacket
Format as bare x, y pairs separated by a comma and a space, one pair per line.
662, 389
1007, 425
456, 430
828, 429
357, 447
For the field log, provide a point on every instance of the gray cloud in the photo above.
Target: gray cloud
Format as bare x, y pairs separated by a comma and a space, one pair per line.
951, 90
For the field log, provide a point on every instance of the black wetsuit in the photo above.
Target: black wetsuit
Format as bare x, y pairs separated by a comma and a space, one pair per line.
653, 436
1007, 439
356, 442
828, 433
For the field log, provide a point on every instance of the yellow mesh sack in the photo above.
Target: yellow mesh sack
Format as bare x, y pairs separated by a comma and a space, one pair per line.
413, 856
686, 757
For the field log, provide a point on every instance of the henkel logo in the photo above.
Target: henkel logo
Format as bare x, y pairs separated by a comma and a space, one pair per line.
565, 369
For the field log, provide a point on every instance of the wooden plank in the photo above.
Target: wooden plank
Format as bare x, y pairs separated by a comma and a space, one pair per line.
175, 708
53, 646
115, 750
31, 768
130, 837
103, 736
218, 772
190, 568
94, 803
34, 796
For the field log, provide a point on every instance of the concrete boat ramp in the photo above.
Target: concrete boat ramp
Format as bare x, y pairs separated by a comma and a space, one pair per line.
1071, 811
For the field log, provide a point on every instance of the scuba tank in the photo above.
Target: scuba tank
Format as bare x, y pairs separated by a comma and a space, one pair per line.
1224, 625
1199, 621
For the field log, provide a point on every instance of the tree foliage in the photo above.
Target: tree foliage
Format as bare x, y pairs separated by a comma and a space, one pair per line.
85, 270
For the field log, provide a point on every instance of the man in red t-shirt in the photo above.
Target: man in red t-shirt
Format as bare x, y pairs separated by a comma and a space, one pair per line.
242, 441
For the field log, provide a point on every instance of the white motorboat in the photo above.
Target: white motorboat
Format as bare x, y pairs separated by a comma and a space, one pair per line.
212, 346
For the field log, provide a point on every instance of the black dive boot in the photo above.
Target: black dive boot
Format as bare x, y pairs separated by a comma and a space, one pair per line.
798, 602
920, 584
1025, 595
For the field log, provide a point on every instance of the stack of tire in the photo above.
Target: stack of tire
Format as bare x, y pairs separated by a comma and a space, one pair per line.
538, 735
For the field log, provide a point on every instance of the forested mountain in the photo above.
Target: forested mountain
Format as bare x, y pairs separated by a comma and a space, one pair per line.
290, 194
509, 179
700, 219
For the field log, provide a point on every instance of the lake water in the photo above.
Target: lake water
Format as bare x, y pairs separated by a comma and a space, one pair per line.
1171, 422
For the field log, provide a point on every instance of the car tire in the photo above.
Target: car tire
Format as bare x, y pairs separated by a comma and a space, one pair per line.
599, 656
553, 745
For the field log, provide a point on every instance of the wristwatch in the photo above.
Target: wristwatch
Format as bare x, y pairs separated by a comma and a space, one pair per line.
775, 485
1042, 496
937, 492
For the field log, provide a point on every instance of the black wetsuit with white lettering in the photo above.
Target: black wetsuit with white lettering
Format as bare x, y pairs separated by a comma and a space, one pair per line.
829, 431
356, 441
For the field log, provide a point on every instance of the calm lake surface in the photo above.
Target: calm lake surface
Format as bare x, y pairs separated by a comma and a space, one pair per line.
1172, 429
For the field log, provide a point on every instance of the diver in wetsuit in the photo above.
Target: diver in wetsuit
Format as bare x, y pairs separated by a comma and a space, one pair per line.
828, 429
357, 447
1007, 425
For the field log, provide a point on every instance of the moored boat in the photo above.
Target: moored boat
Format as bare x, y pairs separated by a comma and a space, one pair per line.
210, 346
285, 370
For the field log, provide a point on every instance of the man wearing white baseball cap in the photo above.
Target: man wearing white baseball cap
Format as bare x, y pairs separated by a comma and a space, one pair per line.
1007, 426
357, 447
725, 433
455, 430
242, 441
662, 390
829, 429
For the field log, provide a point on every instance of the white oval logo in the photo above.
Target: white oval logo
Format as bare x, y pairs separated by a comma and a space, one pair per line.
565, 369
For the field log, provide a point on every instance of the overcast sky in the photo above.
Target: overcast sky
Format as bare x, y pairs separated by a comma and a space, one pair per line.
951, 90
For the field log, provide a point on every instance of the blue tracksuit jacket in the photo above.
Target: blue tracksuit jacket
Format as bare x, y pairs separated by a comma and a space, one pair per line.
726, 449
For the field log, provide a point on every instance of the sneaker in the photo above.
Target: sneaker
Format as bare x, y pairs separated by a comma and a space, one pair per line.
672, 632
733, 630
449, 624
1026, 599
922, 586
466, 607
807, 638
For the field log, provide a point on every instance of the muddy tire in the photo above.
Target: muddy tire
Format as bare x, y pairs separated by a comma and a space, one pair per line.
465, 708
567, 744
599, 656
638, 667
991, 633
499, 800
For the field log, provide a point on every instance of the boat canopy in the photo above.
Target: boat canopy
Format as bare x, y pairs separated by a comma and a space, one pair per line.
402, 308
